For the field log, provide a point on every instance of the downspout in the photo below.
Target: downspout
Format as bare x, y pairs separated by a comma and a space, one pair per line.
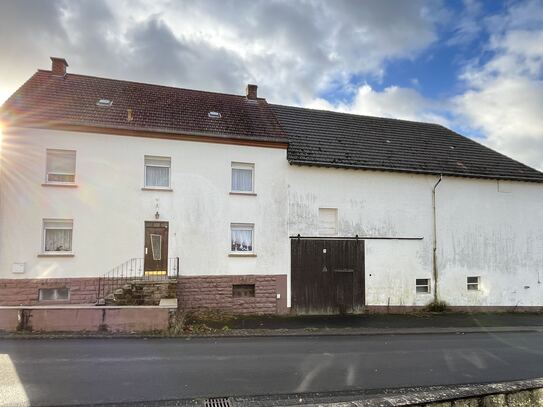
434, 237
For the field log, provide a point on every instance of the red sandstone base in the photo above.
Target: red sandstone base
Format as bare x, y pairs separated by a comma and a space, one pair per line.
193, 293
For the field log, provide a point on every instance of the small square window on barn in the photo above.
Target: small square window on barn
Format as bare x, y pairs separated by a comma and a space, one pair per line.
54, 294
327, 221
243, 290
473, 283
422, 285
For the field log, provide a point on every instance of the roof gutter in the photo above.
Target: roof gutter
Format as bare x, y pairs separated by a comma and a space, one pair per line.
434, 238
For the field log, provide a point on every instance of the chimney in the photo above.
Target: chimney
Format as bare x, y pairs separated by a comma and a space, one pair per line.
59, 66
251, 92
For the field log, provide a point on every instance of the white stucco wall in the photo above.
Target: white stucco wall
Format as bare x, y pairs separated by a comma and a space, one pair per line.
109, 207
480, 231
493, 235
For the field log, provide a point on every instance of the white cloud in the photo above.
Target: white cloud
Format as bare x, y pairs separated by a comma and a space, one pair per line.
395, 102
293, 49
504, 95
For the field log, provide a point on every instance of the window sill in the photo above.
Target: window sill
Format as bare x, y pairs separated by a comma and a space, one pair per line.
156, 189
52, 184
241, 254
242, 193
56, 254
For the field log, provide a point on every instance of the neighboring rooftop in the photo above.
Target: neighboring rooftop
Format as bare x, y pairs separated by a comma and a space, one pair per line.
56, 98
342, 140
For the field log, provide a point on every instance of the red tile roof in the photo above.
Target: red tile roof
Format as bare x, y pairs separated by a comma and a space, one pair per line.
48, 100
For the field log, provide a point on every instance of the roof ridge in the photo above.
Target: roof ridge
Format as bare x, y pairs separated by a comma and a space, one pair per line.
152, 84
355, 114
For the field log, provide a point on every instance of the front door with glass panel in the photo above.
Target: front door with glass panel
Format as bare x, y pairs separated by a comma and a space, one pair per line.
156, 248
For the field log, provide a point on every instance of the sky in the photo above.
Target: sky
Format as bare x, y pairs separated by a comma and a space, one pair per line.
473, 66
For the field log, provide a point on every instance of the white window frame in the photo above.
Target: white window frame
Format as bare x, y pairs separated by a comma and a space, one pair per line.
243, 226
428, 289
242, 166
56, 290
165, 159
44, 229
477, 285
60, 173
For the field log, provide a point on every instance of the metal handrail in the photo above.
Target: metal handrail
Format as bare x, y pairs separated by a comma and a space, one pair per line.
133, 270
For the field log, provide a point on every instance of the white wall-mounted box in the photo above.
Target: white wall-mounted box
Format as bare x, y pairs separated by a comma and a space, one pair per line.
18, 268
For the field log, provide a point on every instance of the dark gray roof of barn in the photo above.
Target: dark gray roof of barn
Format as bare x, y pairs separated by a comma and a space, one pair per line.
332, 139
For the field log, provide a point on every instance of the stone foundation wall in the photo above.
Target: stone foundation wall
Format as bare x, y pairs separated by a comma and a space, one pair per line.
25, 291
216, 293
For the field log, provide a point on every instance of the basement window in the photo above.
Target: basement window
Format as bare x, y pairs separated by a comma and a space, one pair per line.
243, 290
54, 294
422, 285
473, 283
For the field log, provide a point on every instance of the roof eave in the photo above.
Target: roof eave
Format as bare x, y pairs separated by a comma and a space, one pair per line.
412, 171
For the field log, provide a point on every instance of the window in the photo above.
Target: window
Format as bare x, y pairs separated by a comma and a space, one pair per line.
422, 285
243, 290
473, 283
243, 177
242, 237
156, 246
57, 235
54, 294
60, 167
157, 172
328, 221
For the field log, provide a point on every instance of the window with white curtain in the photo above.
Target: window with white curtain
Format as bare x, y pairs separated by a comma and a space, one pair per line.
157, 172
242, 237
243, 177
60, 166
57, 235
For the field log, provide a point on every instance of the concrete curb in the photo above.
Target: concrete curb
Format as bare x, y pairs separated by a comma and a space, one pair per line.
490, 394
254, 333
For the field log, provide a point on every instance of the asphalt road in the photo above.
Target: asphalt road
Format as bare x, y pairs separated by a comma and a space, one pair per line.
81, 371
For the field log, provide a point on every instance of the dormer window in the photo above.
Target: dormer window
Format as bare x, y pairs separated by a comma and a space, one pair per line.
214, 115
104, 103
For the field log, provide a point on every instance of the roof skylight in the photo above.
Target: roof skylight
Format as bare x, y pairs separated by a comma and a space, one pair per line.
104, 102
214, 115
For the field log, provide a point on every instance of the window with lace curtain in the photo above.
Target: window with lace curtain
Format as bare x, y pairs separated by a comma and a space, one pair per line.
243, 177
242, 237
57, 235
157, 172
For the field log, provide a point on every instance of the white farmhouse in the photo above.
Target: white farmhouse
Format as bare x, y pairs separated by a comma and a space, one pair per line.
250, 207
